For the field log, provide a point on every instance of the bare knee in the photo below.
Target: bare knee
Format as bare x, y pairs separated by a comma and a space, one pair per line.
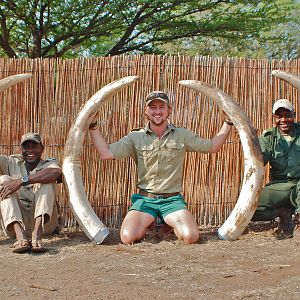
4, 178
189, 235
128, 237
185, 226
192, 237
134, 226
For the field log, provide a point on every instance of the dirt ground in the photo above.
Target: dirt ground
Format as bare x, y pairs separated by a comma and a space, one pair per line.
257, 266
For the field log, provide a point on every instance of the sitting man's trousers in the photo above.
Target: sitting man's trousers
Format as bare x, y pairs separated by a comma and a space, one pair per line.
28, 203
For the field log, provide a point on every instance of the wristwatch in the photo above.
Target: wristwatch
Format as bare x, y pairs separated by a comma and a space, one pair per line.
25, 180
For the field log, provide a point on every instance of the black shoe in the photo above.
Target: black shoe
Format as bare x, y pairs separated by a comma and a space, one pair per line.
284, 234
286, 225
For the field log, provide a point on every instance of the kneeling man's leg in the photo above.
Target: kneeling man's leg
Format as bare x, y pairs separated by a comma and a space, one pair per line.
184, 224
135, 225
175, 213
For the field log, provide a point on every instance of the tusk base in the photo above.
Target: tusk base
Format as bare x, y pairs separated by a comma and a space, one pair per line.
100, 236
222, 235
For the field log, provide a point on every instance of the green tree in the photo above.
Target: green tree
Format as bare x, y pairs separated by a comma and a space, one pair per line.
284, 41
70, 28
277, 41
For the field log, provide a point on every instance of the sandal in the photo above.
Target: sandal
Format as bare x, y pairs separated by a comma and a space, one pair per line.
38, 247
21, 246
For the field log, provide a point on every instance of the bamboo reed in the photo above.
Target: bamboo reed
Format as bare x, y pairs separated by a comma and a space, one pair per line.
51, 99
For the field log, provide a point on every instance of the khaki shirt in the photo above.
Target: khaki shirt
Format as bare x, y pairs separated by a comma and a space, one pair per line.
283, 154
14, 166
159, 161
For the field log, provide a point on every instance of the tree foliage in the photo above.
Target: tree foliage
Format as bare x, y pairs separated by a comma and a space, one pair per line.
279, 41
284, 40
70, 28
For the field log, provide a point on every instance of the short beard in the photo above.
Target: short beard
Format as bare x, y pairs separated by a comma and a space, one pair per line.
148, 119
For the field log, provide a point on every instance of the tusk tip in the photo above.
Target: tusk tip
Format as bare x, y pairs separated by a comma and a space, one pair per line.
14, 79
27, 75
276, 72
184, 82
22, 75
190, 83
133, 78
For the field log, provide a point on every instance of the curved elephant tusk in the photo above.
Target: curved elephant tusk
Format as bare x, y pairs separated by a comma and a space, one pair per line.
288, 77
253, 161
11, 80
79, 203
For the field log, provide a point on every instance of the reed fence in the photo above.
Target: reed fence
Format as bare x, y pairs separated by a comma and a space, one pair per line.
49, 102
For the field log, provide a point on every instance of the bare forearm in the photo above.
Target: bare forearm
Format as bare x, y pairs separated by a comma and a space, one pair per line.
47, 175
219, 139
101, 145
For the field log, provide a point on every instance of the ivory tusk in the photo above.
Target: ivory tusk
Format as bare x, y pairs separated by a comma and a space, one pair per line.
253, 178
11, 80
288, 77
79, 203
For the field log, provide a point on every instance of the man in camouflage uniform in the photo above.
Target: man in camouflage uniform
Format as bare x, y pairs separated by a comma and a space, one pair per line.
280, 146
27, 191
159, 150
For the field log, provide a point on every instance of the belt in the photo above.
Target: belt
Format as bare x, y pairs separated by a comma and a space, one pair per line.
157, 196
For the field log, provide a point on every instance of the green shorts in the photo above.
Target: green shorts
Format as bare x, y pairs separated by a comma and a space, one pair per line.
157, 207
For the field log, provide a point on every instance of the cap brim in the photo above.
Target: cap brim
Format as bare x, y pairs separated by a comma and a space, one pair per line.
163, 100
282, 106
32, 140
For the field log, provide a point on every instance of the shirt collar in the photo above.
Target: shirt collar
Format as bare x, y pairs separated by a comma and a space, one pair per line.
169, 128
21, 164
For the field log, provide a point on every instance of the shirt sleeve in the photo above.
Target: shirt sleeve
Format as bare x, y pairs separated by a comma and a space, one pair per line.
122, 148
194, 143
51, 163
265, 146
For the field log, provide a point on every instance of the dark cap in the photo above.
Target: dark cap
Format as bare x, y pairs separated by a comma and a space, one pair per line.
157, 95
31, 136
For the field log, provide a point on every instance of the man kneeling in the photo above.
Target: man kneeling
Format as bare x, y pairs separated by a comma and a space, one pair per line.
27, 191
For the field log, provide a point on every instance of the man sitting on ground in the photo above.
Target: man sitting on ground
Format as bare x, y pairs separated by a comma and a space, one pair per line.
27, 191
280, 146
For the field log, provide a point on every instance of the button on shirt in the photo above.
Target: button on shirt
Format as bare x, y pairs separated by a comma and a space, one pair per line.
159, 161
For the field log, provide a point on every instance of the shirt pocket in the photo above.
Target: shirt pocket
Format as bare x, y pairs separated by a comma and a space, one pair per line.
279, 161
146, 151
173, 151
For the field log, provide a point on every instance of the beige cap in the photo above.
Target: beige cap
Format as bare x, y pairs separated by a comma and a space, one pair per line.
31, 136
283, 103
157, 95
